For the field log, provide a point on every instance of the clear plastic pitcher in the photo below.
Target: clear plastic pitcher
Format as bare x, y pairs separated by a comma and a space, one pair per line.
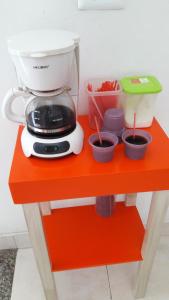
102, 95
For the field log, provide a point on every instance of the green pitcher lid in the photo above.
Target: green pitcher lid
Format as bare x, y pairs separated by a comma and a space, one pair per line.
141, 85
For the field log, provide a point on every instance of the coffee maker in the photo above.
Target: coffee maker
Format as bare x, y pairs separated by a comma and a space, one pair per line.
47, 68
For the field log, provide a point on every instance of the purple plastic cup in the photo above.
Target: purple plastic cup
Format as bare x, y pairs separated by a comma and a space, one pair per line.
114, 120
135, 147
105, 205
103, 154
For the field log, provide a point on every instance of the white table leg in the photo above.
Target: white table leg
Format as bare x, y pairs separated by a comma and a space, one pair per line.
45, 208
159, 204
34, 223
130, 199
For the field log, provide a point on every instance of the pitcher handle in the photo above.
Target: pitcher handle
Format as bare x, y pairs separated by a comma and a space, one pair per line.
7, 110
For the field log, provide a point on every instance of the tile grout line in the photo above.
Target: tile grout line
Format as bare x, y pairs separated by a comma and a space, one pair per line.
109, 283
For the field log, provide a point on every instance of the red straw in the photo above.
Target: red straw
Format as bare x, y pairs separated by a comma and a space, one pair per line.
115, 85
90, 89
134, 127
98, 131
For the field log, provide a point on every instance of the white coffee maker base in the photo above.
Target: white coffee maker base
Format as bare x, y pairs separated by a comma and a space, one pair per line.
52, 148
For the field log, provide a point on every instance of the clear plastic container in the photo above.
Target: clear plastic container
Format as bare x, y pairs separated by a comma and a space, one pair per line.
140, 96
143, 106
100, 99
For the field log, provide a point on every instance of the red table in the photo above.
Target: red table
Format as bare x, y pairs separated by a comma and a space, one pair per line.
76, 237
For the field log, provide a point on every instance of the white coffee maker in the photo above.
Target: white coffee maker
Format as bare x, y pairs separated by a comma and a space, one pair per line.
47, 67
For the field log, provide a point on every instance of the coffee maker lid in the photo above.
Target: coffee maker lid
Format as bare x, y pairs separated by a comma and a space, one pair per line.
41, 43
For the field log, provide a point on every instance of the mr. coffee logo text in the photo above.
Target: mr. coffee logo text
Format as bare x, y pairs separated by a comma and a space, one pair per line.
41, 67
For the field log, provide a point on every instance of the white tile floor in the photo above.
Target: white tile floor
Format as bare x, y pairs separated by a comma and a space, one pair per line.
93, 283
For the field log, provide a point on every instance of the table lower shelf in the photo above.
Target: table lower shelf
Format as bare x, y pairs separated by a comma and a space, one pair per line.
77, 237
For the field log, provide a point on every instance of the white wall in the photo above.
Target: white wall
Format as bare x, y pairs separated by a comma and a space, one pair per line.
112, 42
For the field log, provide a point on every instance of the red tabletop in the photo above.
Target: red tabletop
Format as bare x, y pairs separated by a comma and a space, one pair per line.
37, 180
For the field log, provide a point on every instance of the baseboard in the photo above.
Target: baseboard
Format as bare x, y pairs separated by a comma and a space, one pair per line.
15, 241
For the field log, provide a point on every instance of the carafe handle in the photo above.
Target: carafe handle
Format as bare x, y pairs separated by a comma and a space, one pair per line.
7, 110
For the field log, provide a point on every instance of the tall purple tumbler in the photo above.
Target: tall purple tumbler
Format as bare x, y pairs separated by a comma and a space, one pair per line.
105, 205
